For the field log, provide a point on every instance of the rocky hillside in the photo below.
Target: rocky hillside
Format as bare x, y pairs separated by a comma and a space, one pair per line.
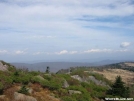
3, 67
75, 84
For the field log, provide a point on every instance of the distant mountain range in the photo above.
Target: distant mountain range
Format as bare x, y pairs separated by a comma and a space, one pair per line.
55, 66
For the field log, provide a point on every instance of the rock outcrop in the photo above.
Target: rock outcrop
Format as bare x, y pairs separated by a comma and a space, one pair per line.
3, 67
65, 84
98, 82
23, 97
81, 79
74, 92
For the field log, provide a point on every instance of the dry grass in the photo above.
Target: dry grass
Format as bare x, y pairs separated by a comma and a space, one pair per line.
111, 74
129, 64
42, 94
10, 92
38, 92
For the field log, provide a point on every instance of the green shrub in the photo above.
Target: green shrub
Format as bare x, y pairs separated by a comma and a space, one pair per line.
6, 79
52, 85
68, 98
23, 90
80, 72
11, 68
1, 88
62, 92
25, 79
47, 77
34, 73
35, 79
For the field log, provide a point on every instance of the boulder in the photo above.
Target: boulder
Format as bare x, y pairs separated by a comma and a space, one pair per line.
74, 92
81, 79
98, 82
30, 90
3, 67
65, 84
3, 98
77, 77
23, 97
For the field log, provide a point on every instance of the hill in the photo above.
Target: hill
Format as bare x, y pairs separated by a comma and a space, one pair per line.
77, 84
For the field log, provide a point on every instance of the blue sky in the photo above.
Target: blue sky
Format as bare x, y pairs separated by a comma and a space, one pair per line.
66, 30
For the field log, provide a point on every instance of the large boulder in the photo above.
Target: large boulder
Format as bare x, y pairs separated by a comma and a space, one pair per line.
23, 97
98, 82
65, 84
81, 79
3, 67
3, 98
77, 77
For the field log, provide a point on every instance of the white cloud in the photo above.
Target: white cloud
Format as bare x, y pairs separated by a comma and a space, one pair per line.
62, 52
97, 50
41, 53
125, 44
3, 51
18, 52
122, 50
73, 52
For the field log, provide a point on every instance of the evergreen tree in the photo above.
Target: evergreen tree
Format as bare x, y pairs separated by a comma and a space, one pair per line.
118, 88
48, 69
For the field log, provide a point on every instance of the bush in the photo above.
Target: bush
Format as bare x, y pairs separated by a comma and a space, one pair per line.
1, 88
73, 82
52, 85
35, 79
20, 76
68, 98
23, 90
34, 73
6, 79
80, 72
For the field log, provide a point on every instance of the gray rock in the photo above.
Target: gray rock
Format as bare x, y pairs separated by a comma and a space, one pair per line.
30, 90
23, 97
65, 84
2, 96
98, 82
74, 92
3, 67
102, 100
77, 77
81, 79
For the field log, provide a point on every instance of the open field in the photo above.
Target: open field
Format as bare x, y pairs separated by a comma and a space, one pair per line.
111, 74
129, 64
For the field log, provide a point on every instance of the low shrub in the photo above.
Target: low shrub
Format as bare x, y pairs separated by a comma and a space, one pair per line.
23, 90
68, 98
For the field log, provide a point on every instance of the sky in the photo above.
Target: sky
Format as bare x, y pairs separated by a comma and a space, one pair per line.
66, 30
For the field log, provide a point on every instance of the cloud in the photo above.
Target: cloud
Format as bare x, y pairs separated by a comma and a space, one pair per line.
66, 52
73, 52
125, 44
62, 52
18, 52
41, 53
97, 50
3, 51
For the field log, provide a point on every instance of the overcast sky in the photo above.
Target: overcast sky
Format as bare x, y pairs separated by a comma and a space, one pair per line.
66, 30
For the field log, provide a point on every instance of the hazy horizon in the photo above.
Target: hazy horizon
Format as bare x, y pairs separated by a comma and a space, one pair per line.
69, 30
